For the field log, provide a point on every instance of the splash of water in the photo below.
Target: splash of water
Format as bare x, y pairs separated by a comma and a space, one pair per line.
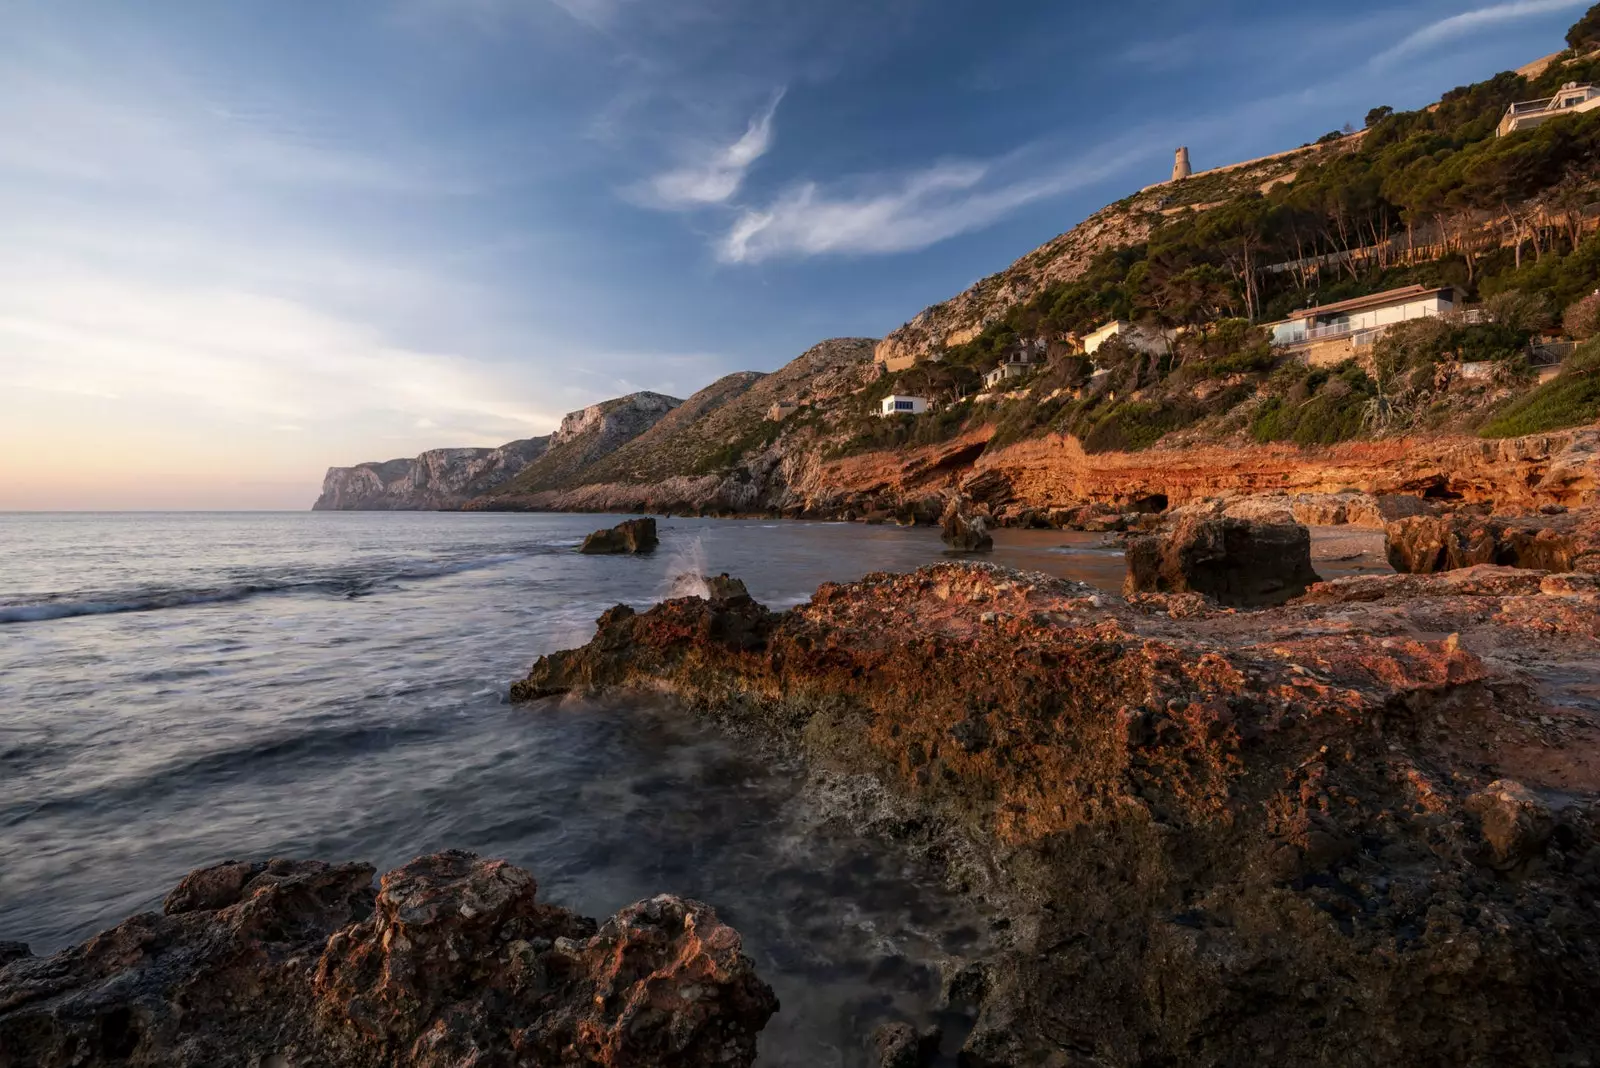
686, 571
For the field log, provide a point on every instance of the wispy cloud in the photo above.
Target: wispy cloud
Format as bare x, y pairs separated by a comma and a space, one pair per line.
718, 176
1470, 22
907, 212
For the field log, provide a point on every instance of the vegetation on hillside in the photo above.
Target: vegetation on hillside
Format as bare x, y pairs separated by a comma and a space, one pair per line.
1572, 398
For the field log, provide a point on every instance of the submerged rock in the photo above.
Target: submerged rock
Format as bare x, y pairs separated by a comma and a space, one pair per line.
1242, 562
632, 536
451, 962
1423, 545
1204, 837
965, 531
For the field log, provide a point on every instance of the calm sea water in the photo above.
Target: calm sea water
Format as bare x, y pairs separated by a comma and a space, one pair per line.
178, 689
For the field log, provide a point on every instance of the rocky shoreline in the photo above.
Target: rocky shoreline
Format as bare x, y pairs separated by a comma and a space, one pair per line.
1357, 828
1235, 815
451, 961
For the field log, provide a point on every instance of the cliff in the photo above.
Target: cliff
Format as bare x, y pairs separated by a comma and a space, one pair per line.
437, 479
447, 479
589, 435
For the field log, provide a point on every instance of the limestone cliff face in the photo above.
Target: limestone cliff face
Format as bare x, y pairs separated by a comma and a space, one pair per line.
437, 479
588, 436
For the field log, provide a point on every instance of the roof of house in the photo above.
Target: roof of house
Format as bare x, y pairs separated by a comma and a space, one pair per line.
1403, 295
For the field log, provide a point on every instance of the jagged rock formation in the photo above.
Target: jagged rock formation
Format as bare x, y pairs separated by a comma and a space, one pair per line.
437, 479
1324, 832
453, 961
963, 530
1426, 544
1242, 562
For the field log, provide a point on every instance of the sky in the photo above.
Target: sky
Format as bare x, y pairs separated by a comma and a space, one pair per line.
241, 242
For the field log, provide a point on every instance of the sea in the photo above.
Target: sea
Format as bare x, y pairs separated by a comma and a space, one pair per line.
178, 689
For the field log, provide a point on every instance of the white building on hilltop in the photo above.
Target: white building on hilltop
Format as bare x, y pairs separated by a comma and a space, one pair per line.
1573, 99
895, 404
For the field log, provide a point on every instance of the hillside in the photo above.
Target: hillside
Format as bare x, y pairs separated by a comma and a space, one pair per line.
1502, 222
1067, 257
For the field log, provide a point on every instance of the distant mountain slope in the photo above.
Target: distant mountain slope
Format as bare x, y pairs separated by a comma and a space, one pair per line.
437, 479
730, 416
589, 435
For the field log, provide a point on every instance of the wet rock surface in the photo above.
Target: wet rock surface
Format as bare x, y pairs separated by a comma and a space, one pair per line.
631, 536
1357, 828
451, 961
1423, 545
1243, 562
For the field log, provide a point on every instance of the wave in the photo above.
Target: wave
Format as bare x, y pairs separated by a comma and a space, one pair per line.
258, 760
348, 586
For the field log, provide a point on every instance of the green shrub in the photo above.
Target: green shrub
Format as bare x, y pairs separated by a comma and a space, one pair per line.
1572, 398
1128, 426
1320, 408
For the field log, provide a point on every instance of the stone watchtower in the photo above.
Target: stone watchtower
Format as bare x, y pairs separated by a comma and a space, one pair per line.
1180, 166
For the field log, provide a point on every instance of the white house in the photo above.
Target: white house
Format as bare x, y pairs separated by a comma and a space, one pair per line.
895, 404
1573, 99
1145, 339
1333, 332
1014, 366
1363, 317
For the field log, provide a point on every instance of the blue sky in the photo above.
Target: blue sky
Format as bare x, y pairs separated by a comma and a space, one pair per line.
242, 241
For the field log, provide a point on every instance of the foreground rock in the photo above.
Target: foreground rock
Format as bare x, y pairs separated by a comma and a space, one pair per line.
632, 536
452, 962
1321, 833
964, 530
1427, 544
1241, 562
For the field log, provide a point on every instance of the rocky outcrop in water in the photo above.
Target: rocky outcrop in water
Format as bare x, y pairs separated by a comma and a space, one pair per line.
1426, 544
964, 530
451, 962
629, 536
1355, 829
437, 479
1242, 562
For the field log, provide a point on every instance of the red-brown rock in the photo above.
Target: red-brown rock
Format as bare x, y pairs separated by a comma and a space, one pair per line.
630, 536
1241, 562
1208, 837
453, 962
1423, 545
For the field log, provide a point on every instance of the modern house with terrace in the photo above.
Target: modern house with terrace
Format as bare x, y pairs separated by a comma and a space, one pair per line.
1573, 99
1332, 333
